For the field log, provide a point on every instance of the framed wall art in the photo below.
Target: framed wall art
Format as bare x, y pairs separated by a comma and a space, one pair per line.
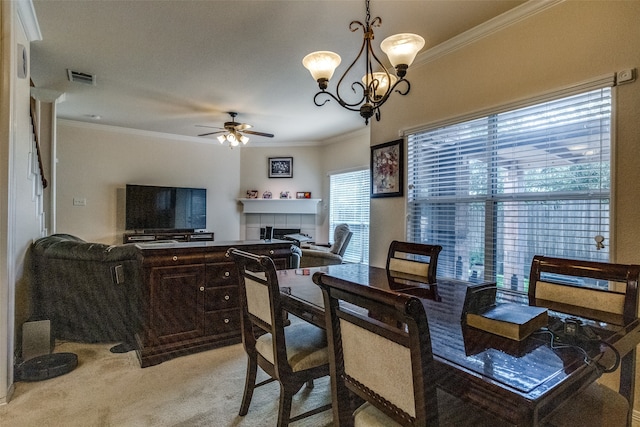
387, 169
280, 167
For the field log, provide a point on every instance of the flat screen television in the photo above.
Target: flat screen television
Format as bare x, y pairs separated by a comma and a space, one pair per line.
152, 208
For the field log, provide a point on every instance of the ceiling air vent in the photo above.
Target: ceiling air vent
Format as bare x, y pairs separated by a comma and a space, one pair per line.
78, 77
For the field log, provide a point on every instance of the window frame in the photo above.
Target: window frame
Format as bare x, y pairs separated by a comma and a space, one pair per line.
491, 200
359, 226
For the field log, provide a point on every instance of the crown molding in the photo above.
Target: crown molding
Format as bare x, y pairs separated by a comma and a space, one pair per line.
175, 137
500, 22
27, 16
131, 131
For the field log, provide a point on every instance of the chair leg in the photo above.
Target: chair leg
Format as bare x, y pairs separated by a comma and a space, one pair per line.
249, 384
284, 411
310, 384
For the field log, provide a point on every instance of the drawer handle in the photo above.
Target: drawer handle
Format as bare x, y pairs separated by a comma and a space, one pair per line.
202, 288
226, 297
226, 320
175, 258
226, 274
271, 252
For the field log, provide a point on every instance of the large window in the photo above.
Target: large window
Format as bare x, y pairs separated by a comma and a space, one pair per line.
496, 190
349, 203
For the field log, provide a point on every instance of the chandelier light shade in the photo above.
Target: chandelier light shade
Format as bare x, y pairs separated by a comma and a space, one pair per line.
372, 90
321, 64
380, 83
402, 49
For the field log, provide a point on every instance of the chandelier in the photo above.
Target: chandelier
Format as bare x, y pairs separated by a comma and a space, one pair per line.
234, 139
378, 84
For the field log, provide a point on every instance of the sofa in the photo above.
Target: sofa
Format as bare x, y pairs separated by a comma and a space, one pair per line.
88, 291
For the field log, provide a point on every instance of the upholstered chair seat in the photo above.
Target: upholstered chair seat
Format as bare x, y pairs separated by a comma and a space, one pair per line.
597, 405
306, 346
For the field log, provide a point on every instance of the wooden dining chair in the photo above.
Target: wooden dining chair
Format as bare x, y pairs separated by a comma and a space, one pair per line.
391, 369
417, 259
561, 285
294, 355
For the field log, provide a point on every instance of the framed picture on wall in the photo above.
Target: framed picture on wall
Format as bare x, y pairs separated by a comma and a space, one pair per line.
387, 169
280, 167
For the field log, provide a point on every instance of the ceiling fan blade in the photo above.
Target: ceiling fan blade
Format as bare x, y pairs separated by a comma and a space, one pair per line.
211, 133
251, 132
211, 127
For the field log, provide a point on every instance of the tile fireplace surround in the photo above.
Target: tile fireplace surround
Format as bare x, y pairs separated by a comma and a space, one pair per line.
277, 213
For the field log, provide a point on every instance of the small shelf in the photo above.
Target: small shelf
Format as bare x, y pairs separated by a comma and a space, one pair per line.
283, 206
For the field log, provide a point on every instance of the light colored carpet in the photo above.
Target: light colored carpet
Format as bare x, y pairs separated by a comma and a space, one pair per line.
107, 389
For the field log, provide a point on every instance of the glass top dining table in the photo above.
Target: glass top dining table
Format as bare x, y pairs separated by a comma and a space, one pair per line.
520, 381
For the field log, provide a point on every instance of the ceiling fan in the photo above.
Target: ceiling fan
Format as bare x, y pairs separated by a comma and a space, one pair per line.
233, 132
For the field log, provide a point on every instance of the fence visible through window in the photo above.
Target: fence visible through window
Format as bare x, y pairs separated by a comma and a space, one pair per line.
497, 190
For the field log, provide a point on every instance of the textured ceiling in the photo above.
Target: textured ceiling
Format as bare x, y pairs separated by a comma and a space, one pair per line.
170, 66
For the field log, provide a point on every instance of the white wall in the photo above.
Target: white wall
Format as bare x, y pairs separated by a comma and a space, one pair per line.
341, 154
311, 168
96, 162
569, 43
20, 217
254, 173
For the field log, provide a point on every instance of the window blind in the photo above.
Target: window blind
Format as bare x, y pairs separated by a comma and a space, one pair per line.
349, 203
496, 190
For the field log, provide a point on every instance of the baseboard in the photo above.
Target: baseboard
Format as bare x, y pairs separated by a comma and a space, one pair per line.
7, 398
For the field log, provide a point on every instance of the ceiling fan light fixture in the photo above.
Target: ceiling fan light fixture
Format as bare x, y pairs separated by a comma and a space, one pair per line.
233, 132
401, 50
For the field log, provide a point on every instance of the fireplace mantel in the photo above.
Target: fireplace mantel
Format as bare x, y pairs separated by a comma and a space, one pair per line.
280, 206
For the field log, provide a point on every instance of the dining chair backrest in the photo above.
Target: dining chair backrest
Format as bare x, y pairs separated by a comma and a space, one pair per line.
260, 301
417, 259
562, 285
390, 368
604, 292
293, 356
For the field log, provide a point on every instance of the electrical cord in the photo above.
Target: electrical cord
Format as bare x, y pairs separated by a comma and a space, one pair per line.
587, 360
552, 343
616, 363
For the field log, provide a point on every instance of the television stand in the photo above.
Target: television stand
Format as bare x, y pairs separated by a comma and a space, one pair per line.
179, 236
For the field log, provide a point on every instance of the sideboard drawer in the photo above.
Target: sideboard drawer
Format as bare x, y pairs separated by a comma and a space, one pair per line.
221, 298
220, 322
173, 259
222, 274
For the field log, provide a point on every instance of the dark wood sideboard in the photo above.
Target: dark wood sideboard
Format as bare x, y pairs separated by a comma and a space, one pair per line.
189, 297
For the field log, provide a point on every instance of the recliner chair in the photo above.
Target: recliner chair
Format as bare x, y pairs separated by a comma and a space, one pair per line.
319, 255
